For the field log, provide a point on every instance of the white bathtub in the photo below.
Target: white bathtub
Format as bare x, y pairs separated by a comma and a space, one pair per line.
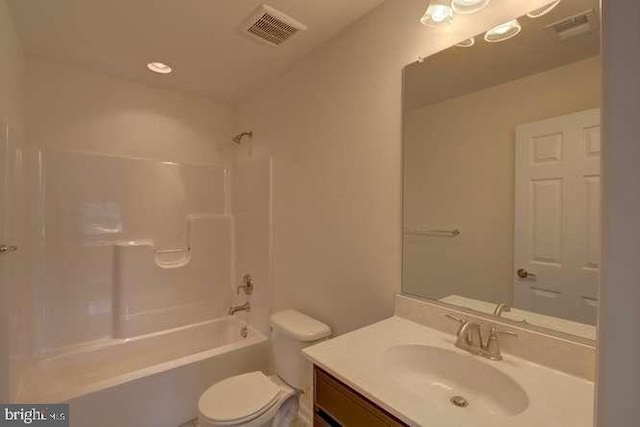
151, 380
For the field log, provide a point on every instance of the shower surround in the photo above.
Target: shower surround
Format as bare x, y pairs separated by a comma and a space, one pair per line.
129, 246
134, 270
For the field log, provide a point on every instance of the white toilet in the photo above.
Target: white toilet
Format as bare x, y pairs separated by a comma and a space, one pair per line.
256, 400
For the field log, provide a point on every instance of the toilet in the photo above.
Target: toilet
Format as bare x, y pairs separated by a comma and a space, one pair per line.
255, 399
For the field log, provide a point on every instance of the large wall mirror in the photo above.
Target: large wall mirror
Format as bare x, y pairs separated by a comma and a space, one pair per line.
502, 171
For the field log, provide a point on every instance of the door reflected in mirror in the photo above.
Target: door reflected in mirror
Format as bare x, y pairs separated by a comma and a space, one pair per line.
502, 173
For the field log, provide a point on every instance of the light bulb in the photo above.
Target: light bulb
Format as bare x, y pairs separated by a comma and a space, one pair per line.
537, 13
503, 32
468, 6
159, 67
438, 13
467, 43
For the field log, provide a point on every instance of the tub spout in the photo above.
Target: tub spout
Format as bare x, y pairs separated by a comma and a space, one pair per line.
236, 308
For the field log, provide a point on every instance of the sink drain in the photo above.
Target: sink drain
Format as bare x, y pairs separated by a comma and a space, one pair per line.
459, 401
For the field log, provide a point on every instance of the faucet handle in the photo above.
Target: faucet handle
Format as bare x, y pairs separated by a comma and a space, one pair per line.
493, 332
246, 286
492, 348
456, 318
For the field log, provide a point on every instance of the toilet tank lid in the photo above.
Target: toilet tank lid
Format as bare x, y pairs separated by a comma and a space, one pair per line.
299, 326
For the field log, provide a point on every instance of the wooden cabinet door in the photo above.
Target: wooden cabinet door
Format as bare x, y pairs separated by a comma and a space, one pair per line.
335, 404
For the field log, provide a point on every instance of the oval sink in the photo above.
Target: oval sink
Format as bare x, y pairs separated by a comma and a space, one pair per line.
463, 382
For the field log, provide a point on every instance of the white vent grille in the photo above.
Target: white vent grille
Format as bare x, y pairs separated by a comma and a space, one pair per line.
576, 25
272, 26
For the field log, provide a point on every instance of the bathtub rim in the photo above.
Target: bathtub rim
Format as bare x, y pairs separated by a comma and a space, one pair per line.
255, 337
101, 343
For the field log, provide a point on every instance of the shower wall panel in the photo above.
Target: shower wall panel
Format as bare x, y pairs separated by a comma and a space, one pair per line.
154, 291
90, 203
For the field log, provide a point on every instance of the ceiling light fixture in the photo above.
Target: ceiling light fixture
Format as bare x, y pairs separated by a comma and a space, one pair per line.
467, 43
503, 32
438, 13
468, 6
537, 13
159, 67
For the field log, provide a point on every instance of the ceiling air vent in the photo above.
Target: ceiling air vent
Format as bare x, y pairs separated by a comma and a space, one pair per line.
272, 26
575, 25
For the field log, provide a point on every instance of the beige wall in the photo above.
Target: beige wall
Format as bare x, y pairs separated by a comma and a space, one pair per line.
76, 109
618, 376
459, 172
11, 112
333, 126
12, 64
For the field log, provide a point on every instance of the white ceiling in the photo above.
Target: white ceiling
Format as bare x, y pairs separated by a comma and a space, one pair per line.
199, 38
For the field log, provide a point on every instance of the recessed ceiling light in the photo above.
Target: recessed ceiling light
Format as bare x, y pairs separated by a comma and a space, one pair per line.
503, 32
467, 43
159, 67
468, 6
438, 13
537, 13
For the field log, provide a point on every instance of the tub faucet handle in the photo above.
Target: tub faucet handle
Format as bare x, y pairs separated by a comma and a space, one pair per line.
247, 285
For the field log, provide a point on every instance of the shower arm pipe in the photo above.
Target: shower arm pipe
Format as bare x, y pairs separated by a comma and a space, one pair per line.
238, 138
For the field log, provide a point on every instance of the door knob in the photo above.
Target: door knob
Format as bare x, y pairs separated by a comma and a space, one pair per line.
524, 274
7, 248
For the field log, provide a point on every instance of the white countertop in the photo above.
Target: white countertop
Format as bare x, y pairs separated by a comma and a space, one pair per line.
556, 399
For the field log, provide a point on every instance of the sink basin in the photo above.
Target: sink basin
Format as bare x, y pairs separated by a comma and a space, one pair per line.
461, 382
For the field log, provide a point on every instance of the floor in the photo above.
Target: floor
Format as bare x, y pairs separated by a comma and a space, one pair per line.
194, 423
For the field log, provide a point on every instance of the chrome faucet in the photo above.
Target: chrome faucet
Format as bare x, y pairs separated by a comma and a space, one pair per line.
236, 308
501, 308
470, 339
469, 335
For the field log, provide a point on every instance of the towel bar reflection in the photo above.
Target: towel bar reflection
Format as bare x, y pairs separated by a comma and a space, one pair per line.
171, 251
433, 233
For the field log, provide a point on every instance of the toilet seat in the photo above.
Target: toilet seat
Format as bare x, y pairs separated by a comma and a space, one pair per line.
243, 400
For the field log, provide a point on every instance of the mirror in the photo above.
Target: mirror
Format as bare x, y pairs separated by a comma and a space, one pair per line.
502, 172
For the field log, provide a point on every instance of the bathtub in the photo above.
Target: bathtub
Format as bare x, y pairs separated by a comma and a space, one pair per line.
150, 380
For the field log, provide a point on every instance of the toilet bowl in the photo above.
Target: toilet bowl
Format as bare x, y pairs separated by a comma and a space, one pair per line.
255, 399
248, 400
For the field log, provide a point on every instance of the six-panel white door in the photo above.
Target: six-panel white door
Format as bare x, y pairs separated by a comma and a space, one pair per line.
557, 216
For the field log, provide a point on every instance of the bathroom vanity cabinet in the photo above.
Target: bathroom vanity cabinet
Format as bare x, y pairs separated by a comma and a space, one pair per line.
335, 404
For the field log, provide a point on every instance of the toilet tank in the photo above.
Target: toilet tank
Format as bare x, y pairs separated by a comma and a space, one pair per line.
291, 331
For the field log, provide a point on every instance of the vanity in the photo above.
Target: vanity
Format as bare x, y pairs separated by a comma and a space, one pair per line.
501, 252
407, 370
